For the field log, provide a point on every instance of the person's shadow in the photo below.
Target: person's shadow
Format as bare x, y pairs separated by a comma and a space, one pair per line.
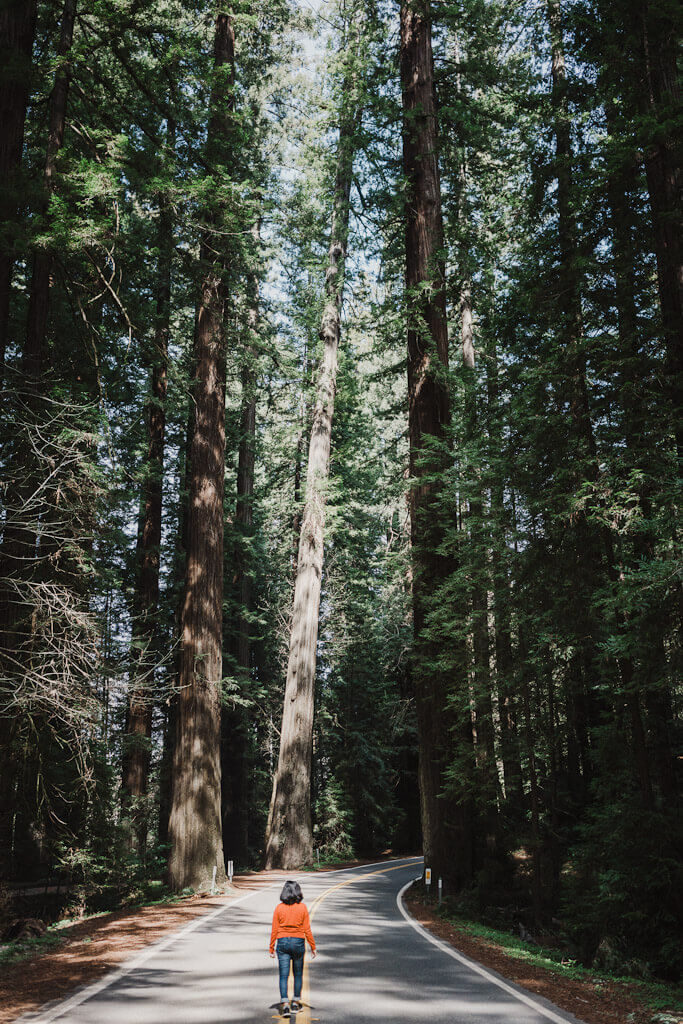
293, 1014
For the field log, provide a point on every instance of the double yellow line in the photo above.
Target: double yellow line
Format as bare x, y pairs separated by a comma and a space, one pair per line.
304, 1015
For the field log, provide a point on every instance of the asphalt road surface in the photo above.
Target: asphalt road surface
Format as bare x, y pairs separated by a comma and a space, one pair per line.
373, 967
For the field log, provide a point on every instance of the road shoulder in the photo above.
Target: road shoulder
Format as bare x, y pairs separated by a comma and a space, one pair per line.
593, 1002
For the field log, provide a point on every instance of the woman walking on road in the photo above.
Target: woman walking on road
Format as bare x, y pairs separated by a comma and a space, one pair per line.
291, 925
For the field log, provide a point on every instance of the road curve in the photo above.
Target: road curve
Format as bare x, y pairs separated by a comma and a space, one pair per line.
375, 966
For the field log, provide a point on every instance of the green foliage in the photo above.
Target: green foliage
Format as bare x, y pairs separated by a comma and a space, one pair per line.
558, 620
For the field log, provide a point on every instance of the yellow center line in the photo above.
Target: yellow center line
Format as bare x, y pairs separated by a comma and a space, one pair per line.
304, 1015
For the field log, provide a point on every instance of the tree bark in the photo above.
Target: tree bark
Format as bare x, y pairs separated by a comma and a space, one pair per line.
485, 746
17, 31
145, 606
234, 725
195, 823
447, 844
18, 553
289, 833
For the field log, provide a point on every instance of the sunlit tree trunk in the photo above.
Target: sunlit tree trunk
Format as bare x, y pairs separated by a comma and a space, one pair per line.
289, 833
447, 845
195, 823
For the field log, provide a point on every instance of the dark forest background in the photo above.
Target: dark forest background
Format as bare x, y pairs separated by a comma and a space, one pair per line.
196, 196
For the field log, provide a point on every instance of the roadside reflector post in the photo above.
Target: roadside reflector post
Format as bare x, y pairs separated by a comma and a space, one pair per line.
440, 889
428, 879
230, 871
213, 879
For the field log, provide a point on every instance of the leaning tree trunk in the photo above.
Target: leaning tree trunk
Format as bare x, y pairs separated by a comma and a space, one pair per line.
289, 834
17, 31
447, 844
137, 752
195, 822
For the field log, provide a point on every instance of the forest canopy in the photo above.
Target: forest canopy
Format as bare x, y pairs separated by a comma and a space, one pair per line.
341, 367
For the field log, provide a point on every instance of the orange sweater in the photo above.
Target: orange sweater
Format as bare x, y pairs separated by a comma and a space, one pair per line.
291, 921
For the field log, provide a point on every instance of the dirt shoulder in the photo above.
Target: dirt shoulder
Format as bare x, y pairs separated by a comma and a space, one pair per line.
595, 1002
85, 951
88, 950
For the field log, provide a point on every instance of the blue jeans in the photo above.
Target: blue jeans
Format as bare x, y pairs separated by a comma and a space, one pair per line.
291, 951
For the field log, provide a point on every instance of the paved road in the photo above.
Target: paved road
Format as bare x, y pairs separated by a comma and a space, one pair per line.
373, 967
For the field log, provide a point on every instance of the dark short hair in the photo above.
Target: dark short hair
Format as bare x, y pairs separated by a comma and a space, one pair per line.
291, 893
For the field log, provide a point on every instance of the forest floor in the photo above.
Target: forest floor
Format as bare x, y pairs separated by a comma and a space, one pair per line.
594, 998
71, 956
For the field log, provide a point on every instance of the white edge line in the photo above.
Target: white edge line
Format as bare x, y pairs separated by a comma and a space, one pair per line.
96, 987
131, 965
359, 867
477, 968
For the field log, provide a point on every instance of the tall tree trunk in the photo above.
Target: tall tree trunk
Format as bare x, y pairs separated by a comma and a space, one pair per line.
145, 606
447, 845
660, 97
39, 301
18, 552
585, 544
234, 725
652, 685
289, 833
177, 589
510, 747
485, 746
195, 823
534, 799
17, 31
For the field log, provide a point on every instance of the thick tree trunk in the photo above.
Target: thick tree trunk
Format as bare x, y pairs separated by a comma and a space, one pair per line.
19, 542
447, 844
17, 31
289, 833
195, 823
145, 650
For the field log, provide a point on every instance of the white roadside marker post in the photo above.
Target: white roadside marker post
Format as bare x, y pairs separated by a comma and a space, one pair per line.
230, 871
213, 880
428, 880
440, 889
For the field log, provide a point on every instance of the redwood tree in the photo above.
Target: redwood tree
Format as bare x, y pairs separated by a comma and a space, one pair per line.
289, 833
195, 821
139, 720
446, 824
